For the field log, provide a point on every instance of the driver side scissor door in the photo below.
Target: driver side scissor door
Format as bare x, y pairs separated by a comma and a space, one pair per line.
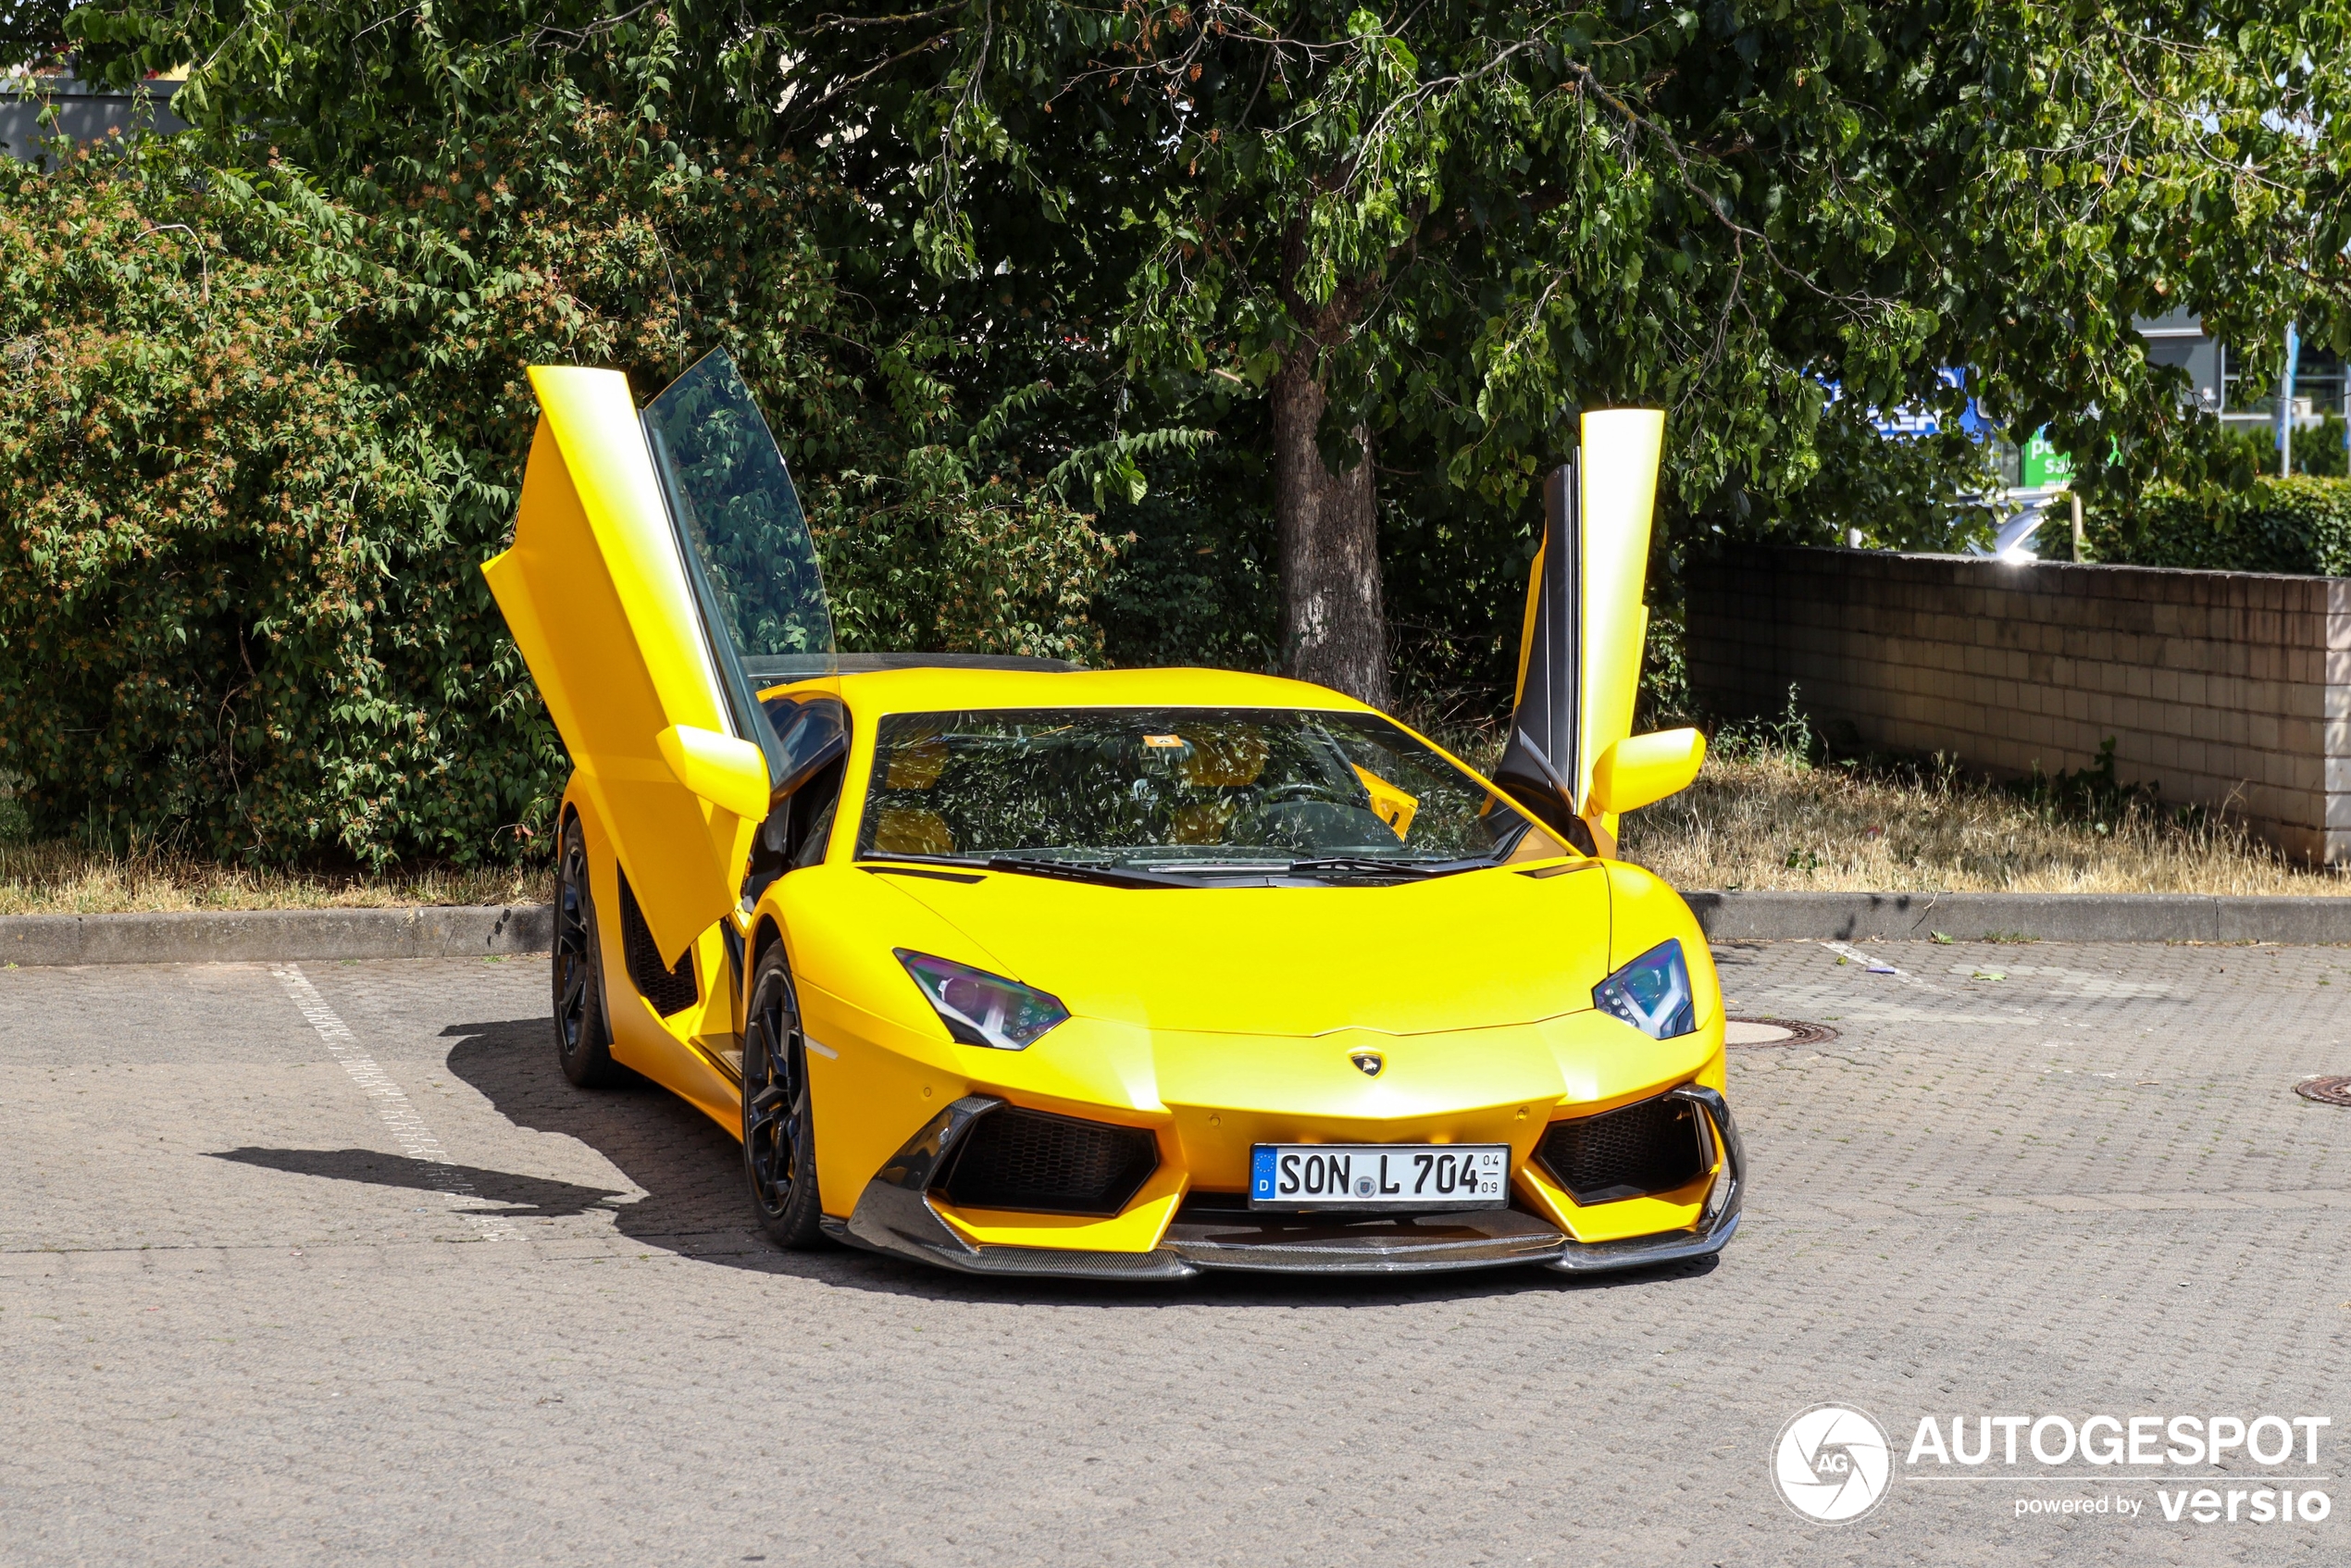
653, 554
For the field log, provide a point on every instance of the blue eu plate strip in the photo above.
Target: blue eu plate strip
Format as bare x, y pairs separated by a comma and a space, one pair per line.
1261, 1170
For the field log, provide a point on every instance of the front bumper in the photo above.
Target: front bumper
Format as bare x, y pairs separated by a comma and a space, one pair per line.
894, 1216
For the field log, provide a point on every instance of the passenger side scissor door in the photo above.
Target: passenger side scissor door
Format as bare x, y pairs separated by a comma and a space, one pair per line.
654, 553
1580, 656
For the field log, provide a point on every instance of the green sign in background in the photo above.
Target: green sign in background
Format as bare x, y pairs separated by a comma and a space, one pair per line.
2045, 467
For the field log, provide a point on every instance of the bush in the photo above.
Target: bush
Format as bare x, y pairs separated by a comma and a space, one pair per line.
963, 568
2300, 525
236, 613
2250, 450
256, 438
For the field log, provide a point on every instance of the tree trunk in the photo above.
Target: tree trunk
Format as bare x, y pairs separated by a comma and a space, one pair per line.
1334, 628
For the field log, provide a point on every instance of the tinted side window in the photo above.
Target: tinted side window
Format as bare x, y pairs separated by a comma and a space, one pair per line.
737, 507
813, 734
812, 816
812, 730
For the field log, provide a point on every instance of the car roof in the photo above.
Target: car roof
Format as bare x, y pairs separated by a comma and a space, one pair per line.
933, 689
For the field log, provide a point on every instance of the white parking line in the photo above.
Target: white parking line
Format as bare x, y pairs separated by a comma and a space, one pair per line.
391, 1105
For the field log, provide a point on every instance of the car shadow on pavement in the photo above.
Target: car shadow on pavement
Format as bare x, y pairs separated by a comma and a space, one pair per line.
690, 1171
695, 1207
525, 1196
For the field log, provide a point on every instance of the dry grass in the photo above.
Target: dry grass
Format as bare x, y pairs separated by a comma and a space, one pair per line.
65, 878
1762, 817
1766, 813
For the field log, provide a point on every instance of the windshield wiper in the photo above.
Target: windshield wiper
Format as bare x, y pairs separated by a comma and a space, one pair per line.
1087, 871
1375, 866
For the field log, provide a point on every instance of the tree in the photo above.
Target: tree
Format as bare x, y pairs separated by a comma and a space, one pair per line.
32, 31
1415, 240
1437, 229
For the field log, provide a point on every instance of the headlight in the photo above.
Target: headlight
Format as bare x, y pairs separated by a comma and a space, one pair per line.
979, 1008
1652, 993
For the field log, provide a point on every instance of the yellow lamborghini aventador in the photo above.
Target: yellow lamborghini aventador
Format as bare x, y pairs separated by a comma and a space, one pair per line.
1023, 969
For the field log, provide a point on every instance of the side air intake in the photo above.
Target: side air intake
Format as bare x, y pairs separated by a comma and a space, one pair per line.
671, 990
1028, 1160
1655, 1146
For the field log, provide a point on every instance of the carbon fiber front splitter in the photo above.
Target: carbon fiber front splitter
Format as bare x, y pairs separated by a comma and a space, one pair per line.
894, 1216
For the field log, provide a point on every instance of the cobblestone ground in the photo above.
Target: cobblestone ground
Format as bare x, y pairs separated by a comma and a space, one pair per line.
330, 1264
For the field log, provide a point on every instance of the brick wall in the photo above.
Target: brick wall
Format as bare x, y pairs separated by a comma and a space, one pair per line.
2222, 688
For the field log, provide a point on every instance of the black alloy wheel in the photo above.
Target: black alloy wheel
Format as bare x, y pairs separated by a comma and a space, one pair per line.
583, 1042
780, 1149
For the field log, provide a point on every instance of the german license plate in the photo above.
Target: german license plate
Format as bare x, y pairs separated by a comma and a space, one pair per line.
1380, 1175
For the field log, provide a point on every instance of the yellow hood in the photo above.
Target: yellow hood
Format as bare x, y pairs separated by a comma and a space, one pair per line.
1472, 950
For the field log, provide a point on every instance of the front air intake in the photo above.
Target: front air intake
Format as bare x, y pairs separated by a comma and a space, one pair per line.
1655, 1146
671, 990
1028, 1160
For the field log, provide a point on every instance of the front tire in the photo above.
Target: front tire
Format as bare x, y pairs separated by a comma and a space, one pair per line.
583, 1039
780, 1148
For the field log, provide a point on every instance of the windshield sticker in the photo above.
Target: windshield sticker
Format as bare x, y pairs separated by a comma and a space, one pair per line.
1389, 803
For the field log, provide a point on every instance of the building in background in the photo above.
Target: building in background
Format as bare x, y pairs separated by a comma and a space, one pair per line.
85, 111
2238, 389
2243, 395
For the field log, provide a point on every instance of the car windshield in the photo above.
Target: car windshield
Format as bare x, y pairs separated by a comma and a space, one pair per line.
1188, 791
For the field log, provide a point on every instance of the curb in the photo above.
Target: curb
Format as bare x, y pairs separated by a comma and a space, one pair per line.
255, 935
258, 935
2057, 917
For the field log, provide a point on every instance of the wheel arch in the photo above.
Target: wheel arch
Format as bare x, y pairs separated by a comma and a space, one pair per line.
572, 805
767, 931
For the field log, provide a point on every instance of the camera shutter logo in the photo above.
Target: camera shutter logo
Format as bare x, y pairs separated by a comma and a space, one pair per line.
1833, 1464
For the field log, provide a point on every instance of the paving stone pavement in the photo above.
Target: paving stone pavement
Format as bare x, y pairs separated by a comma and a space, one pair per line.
273, 1294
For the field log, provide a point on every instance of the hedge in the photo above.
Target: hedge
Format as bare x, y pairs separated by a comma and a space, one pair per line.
2300, 525
256, 438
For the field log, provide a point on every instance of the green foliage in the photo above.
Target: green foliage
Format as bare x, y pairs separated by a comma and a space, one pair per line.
32, 31
2320, 449
1474, 218
236, 605
2242, 452
2094, 796
15, 825
1480, 214
1903, 492
1080, 238
255, 440
1666, 699
1513, 207
987, 568
1788, 738
1195, 581
2300, 525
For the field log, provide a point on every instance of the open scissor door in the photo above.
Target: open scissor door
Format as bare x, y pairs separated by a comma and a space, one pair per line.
1580, 654
652, 554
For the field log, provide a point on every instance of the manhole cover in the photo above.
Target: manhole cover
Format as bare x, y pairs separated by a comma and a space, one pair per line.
1756, 1034
2326, 1092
